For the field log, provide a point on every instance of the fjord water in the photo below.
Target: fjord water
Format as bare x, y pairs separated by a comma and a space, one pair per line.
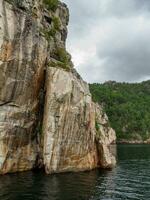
129, 180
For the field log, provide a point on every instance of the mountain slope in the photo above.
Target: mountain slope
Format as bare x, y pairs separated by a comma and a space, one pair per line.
127, 106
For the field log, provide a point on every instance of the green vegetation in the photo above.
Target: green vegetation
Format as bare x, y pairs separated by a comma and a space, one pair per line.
50, 32
63, 59
127, 106
97, 126
51, 4
63, 55
60, 64
56, 23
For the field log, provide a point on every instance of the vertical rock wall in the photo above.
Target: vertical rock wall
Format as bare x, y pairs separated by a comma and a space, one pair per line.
71, 141
23, 53
32, 43
69, 136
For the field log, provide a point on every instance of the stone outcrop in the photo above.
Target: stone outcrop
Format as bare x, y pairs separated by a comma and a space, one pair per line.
71, 141
47, 117
105, 136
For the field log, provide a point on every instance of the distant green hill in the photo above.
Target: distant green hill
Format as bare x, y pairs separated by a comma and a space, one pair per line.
127, 106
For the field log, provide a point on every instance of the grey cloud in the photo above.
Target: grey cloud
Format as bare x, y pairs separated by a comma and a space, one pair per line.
126, 60
126, 8
84, 13
90, 10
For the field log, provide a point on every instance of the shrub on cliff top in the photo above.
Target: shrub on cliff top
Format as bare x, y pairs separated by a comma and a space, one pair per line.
51, 4
59, 64
62, 55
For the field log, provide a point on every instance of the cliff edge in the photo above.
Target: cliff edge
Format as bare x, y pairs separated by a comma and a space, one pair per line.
47, 117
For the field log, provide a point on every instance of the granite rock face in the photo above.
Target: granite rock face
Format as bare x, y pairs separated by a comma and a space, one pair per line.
68, 128
47, 117
22, 60
71, 141
105, 139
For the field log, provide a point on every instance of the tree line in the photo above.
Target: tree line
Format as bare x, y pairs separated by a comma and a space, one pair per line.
127, 106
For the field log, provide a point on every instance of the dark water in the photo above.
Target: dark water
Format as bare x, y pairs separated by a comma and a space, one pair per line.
129, 180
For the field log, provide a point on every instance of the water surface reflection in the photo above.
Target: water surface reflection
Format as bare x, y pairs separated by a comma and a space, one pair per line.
129, 180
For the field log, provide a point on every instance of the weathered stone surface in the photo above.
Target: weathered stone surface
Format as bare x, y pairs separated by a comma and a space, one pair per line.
76, 135
71, 141
105, 139
22, 59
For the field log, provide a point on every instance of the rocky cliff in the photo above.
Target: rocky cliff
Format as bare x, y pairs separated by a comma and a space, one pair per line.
47, 117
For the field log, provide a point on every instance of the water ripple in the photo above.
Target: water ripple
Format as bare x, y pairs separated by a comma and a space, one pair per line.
130, 180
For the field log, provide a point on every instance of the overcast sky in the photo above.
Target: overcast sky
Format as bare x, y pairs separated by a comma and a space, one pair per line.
110, 39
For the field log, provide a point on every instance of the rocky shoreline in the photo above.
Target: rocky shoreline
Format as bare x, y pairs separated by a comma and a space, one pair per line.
133, 142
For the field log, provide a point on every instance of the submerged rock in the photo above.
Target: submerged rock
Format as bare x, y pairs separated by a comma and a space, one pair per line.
47, 117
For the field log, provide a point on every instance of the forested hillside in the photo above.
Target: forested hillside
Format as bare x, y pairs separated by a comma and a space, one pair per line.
127, 106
